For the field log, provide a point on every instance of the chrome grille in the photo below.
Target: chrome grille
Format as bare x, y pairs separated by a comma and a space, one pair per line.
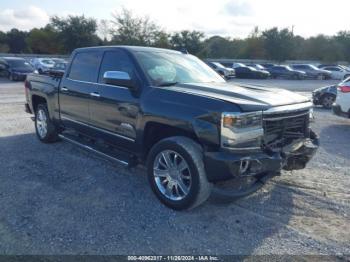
281, 129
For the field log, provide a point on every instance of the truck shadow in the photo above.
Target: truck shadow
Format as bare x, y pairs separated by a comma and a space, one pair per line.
56, 194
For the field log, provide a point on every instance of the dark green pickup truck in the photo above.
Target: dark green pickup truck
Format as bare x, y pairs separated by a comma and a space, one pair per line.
173, 113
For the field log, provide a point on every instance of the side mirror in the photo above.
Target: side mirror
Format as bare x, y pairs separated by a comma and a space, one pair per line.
118, 78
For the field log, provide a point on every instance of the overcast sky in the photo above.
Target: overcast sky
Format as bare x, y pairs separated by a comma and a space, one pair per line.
234, 18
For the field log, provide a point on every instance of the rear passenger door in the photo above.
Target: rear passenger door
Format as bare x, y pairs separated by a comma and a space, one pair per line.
115, 110
77, 88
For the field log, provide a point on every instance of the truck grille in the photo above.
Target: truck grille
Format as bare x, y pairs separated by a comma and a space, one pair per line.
281, 129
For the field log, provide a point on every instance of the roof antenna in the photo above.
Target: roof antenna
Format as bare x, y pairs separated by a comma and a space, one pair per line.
184, 51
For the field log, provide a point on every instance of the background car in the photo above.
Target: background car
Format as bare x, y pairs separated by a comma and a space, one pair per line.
337, 72
15, 68
341, 106
43, 64
235, 65
58, 69
312, 71
325, 96
286, 72
267, 65
222, 70
251, 72
257, 66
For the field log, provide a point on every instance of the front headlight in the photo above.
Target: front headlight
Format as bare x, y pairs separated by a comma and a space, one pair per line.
241, 130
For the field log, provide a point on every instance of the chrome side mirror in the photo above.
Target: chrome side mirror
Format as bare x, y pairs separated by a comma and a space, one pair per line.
118, 78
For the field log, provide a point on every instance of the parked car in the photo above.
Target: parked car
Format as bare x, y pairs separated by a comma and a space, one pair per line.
337, 72
267, 65
325, 96
221, 70
43, 65
58, 69
321, 66
173, 113
312, 71
286, 72
257, 66
251, 72
341, 107
235, 65
15, 68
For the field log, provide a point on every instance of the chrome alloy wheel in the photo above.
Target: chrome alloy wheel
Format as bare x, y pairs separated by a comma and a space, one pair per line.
41, 123
172, 175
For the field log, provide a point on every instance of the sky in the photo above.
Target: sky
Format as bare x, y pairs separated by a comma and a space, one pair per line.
231, 18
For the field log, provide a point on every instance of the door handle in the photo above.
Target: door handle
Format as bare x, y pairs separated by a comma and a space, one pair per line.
94, 94
64, 89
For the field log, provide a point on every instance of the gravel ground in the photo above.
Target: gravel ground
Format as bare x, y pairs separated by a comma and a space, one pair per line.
59, 199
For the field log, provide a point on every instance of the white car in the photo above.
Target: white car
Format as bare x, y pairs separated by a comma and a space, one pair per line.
341, 107
337, 72
42, 65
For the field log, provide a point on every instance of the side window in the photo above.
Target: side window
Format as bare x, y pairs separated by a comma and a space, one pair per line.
116, 60
85, 66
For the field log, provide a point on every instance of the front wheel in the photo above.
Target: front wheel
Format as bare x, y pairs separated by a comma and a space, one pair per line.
328, 100
45, 129
176, 173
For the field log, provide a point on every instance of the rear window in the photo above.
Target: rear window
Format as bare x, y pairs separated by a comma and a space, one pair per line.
85, 66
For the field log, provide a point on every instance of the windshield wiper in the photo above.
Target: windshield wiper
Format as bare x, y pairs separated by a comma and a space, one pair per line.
168, 83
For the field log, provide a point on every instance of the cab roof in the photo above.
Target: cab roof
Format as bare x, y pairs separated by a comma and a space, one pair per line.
129, 48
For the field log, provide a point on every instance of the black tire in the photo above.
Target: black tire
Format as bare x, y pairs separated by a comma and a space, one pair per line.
40, 71
11, 77
327, 100
320, 77
191, 152
51, 134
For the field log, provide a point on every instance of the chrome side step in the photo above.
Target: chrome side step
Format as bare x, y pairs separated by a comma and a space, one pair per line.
90, 148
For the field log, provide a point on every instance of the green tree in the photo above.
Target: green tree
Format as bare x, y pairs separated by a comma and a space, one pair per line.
4, 48
128, 29
44, 41
16, 41
75, 31
278, 43
190, 40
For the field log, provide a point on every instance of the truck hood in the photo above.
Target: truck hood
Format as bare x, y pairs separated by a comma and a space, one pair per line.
247, 97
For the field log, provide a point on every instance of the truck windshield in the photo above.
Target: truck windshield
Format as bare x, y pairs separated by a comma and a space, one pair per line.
165, 67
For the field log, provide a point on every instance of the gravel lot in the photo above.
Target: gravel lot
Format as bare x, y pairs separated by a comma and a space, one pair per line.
59, 199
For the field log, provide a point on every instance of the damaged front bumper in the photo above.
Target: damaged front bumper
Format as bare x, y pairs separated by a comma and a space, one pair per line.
225, 165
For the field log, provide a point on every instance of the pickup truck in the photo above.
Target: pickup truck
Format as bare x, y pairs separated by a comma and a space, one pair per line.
171, 112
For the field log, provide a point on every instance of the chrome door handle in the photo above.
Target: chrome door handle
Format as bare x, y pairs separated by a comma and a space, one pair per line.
94, 94
64, 89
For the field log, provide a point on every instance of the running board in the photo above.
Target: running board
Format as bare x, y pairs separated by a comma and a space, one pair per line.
109, 154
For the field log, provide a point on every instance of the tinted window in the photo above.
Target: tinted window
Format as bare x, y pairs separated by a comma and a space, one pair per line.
116, 61
85, 66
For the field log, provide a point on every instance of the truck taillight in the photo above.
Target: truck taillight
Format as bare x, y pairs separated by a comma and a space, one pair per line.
344, 89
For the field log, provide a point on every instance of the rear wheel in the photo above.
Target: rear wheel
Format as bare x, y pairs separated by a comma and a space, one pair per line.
327, 100
176, 173
45, 129
321, 77
11, 77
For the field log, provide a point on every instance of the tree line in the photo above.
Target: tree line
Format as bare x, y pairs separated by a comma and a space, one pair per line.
62, 35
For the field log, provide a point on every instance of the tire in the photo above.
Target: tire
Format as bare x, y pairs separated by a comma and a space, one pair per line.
345, 77
321, 77
193, 176
40, 71
11, 77
45, 129
327, 101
